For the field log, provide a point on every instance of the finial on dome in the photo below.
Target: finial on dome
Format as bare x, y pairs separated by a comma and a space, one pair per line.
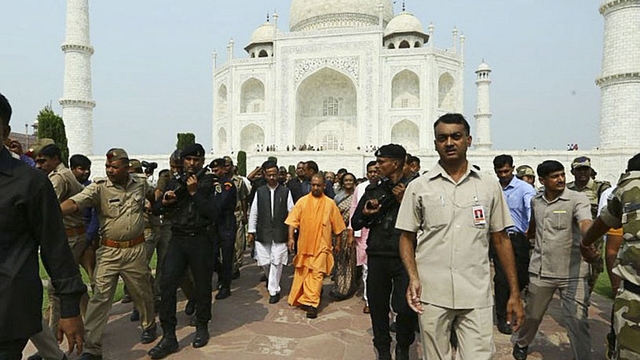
267, 16
403, 6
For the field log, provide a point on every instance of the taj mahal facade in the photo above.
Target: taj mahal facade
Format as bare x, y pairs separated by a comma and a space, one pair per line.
350, 75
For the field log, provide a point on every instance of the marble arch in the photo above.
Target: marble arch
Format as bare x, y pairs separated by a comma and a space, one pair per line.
222, 100
446, 92
252, 96
222, 140
405, 90
406, 133
250, 136
326, 110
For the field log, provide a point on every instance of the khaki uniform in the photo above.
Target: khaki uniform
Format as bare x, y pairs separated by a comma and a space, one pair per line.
623, 210
122, 253
557, 264
593, 190
452, 256
241, 229
65, 186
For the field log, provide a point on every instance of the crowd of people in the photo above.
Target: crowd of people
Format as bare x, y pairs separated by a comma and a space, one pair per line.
418, 245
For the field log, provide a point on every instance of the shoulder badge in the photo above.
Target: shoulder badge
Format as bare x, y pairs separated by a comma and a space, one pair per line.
218, 188
100, 180
228, 185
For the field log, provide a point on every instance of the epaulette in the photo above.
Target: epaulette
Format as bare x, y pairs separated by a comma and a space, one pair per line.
100, 180
164, 173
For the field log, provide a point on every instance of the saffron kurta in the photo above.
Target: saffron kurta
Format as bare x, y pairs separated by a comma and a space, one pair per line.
316, 218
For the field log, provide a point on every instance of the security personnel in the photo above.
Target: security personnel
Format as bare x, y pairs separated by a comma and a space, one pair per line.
119, 201
387, 278
240, 213
194, 201
581, 171
188, 289
49, 160
621, 211
526, 173
224, 231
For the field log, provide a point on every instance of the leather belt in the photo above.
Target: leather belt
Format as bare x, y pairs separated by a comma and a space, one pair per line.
628, 285
75, 231
123, 243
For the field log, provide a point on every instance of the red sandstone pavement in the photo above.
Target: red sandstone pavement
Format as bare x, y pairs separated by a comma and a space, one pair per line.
246, 326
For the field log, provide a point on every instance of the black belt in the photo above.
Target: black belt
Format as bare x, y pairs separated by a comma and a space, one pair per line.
514, 233
628, 285
188, 233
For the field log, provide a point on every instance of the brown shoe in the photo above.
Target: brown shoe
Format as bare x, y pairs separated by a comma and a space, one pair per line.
366, 310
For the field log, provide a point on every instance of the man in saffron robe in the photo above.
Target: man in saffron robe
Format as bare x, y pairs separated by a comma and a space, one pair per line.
316, 216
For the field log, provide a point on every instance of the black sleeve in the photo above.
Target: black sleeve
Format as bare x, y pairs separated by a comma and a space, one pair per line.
359, 220
210, 203
48, 230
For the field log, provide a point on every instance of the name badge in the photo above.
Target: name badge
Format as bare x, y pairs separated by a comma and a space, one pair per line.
478, 215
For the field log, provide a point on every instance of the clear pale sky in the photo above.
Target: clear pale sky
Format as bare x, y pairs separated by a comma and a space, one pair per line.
152, 65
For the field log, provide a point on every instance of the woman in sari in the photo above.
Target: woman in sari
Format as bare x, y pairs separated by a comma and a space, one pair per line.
344, 271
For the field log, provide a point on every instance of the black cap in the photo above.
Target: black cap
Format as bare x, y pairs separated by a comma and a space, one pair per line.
217, 163
393, 151
192, 150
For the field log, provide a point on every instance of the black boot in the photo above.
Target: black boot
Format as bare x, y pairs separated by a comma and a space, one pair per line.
402, 353
167, 346
384, 353
202, 336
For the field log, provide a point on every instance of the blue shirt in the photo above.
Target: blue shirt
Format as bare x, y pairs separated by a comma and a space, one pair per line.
519, 194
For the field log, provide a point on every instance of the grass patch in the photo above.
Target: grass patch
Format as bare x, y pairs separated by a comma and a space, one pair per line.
603, 286
85, 278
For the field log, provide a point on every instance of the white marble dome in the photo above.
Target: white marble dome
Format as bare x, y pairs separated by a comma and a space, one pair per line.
483, 67
403, 23
322, 14
263, 34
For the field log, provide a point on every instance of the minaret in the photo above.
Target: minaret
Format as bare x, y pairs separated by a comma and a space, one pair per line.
619, 81
77, 105
482, 140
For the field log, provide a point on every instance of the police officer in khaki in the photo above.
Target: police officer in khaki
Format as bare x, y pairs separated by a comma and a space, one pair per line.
49, 160
581, 170
119, 200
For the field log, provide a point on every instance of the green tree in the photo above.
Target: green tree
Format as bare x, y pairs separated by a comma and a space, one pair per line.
51, 125
242, 163
185, 139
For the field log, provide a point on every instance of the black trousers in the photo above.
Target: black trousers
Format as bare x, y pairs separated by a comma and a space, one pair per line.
388, 279
12, 350
501, 287
193, 252
224, 248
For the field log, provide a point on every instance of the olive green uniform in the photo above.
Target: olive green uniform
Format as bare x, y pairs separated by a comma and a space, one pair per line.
241, 233
121, 216
623, 210
593, 190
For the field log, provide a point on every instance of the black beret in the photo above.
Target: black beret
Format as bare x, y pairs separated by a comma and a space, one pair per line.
217, 163
393, 151
192, 150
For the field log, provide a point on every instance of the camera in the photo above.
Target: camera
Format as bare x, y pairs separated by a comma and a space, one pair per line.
149, 167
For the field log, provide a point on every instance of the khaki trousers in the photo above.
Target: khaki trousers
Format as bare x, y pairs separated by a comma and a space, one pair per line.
474, 328
574, 302
130, 264
77, 243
